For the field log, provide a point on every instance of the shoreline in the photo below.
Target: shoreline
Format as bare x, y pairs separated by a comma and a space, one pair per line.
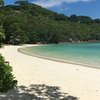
53, 59
76, 80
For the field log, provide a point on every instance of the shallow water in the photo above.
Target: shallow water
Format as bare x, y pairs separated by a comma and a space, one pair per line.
86, 54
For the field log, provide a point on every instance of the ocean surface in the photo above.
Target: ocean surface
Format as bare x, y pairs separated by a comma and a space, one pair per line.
85, 53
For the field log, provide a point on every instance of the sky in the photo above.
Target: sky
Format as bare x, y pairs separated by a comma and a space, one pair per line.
69, 7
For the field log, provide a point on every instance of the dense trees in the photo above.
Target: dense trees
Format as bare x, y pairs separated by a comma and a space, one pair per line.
29, 23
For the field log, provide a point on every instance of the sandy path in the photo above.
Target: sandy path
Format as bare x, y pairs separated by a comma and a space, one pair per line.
79, 81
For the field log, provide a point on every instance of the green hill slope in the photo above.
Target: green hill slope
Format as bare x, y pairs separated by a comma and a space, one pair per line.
29, 23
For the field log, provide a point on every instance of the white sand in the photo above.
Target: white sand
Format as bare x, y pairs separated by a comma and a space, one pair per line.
79, 81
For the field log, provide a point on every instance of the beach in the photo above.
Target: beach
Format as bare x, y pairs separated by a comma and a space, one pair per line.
76, 80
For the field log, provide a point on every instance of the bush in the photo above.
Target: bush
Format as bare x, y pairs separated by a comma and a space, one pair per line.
7, 80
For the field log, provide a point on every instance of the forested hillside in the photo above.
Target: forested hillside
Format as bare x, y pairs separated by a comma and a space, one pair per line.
29, 23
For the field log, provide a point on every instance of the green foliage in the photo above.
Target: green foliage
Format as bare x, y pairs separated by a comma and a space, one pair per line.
29, 23
1, 3
1, 39
2, 36
7, 80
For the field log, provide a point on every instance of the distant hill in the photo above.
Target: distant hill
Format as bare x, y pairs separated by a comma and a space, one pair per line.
29, 23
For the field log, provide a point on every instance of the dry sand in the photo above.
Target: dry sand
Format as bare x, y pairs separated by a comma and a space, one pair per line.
82, 82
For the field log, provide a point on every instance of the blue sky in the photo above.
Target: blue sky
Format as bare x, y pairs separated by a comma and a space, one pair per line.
68, 7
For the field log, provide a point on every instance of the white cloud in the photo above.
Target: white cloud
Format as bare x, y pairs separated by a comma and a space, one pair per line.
51, 3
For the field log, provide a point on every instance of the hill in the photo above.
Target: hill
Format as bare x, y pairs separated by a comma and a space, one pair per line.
29, 23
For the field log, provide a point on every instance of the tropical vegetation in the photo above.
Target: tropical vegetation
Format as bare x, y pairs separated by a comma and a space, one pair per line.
7, 79
24, 22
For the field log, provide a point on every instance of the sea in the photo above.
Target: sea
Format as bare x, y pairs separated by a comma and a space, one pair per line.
86, 54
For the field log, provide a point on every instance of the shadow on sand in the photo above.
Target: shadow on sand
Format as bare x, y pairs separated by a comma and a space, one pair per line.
36, 92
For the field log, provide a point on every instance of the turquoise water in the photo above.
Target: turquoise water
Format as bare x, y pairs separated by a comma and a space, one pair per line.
85, 54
